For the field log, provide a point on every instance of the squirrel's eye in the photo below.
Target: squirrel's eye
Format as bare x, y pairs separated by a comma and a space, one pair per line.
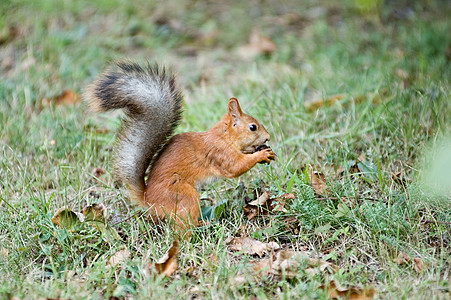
253, 127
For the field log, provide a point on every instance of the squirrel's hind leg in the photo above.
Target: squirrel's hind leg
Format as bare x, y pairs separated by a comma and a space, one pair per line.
179, 208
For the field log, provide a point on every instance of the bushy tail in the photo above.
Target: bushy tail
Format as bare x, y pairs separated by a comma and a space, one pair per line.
152, 106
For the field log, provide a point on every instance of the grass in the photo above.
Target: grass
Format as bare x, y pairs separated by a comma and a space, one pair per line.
390, 64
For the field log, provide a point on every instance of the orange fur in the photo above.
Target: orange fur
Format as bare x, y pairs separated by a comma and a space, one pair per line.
193, 157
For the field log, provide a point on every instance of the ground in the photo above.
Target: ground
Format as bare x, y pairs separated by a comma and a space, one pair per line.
356, 95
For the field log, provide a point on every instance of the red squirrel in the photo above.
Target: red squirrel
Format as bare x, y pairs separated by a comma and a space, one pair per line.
177, 163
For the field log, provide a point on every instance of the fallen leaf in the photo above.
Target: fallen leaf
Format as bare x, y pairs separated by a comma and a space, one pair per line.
95, 215
250, 211
242, 231
67, 219
262, 267
315, 104
335, 291
255, 208
292, 224
289, 263
319, 265
317, 180
277, 204
167, 264
118, 258
264, 204
272, 246
97, 172
418, 264
67, 97
258, 45
251, 246
404, 259
95, 212
262, 199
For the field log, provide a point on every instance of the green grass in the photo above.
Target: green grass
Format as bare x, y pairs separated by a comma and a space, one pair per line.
389, 61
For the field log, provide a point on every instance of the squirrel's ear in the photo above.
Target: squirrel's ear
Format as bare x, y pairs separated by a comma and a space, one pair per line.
234, 111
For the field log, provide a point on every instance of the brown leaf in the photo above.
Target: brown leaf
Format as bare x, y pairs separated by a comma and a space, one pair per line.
292, 224
279, 203
95, 215
97, 172
289, 263
167, 264
317, 180
315, 104
354, 293
118, 258
251, 246
418, 264
404, 259
319, 265
264, 204
250, 211
262, 267
67, 219
254, 208
258, 45
67, 97
95, 212
262, 199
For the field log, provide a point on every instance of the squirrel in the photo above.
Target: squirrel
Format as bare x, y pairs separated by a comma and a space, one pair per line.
177, 163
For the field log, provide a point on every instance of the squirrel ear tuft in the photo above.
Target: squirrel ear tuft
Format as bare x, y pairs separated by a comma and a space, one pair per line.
234, 109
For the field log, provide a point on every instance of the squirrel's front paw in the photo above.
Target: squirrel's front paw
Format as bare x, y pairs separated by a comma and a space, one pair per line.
265, 156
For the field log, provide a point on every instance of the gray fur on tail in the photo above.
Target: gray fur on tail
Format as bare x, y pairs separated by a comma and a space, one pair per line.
152, 106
